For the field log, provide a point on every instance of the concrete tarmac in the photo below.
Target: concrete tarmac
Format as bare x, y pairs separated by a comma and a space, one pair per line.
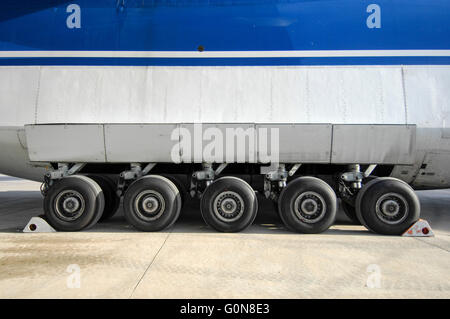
191, 260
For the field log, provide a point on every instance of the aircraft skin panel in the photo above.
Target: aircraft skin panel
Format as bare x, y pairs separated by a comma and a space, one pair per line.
428, 86
157, 143
220, 95
18, 95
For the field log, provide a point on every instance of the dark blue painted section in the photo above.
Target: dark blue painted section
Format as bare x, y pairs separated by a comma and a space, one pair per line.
229, 61
220, 25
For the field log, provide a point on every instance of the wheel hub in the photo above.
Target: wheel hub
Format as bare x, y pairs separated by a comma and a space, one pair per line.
69, 205
149, 205
228, 206
310, 207
391, 208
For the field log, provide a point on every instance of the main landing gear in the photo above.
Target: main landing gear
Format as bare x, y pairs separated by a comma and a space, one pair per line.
384, 205
74, 201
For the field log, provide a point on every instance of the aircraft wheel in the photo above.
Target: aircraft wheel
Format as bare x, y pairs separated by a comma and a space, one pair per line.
387, 206
350, 210
152, 203
229, 204
112, 201
308, 205
74, 203
277, 210
180, 185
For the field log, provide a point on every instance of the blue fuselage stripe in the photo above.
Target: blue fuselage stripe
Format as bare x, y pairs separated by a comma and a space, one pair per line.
229, 61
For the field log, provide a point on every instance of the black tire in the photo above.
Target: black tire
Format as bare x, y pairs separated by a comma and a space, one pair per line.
277, 210
180, 185
350, 212
155, 190
230, 192
74, 190
388, 206
363, 191
321, 199
360, 195
112, 201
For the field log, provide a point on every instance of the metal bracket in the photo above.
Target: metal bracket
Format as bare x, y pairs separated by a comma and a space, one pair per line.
351, 177
294, 169
206, 175
355, 176
135, 172
220, 168
274, 181
369, 170
63, 170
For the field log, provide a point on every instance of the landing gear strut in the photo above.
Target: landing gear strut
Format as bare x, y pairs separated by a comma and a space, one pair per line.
350, 184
